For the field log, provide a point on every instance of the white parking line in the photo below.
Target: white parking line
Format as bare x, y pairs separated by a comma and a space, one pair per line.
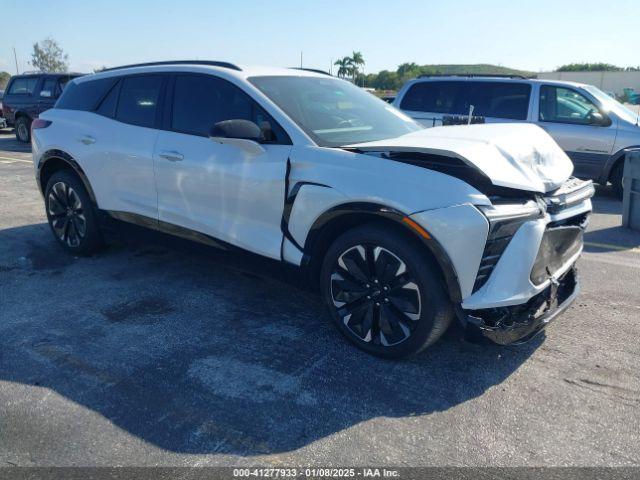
15, 160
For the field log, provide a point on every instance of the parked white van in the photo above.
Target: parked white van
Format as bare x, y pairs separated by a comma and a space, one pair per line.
590, 126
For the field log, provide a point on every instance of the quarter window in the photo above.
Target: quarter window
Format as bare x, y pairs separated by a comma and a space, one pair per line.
565, 105
201, 101
84, 95
435, 97
23, 86
138, 102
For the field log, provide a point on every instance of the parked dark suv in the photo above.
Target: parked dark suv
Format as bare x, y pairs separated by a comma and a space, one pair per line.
27, 96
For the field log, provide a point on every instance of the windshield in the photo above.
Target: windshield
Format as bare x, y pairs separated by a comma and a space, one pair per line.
334, 112
612, 105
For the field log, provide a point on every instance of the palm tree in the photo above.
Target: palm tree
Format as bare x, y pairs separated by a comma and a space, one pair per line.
357, 60
345, 67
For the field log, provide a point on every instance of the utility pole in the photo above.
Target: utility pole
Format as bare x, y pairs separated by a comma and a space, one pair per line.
300, 58
15, 57
331, 67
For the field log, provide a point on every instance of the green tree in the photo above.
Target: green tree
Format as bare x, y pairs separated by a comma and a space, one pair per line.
588, 67
345, 67
4, 79
357, 61
48, 56
407, 68
386, 80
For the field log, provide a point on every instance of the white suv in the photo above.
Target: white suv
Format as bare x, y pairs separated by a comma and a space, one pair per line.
404, 228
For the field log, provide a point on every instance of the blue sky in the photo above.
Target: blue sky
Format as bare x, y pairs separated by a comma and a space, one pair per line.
534, 35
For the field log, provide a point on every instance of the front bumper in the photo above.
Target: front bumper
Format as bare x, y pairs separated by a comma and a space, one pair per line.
541, 251
519, 323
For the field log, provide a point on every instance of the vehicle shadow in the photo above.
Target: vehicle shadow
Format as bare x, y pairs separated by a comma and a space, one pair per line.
611, 239
10, 144
200, 351
609, 235
606, 202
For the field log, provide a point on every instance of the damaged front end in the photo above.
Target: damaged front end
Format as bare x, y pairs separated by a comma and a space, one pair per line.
543, 281
520, 323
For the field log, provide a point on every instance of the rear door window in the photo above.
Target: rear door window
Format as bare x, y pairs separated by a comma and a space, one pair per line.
49, 88
435, 97
138, 101
508, 100
107, 107
23, 86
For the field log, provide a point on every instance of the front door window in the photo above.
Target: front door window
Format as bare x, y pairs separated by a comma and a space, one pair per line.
565, 105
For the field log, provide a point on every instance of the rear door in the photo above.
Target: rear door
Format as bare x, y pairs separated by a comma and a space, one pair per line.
118, 141
215, 189
567, 115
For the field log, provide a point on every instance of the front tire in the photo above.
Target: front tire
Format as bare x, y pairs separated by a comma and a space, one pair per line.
616, 179
23, 129
71, 214
383, 292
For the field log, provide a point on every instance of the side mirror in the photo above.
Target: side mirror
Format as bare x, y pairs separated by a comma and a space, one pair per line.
242, 134
598, 119
243, 129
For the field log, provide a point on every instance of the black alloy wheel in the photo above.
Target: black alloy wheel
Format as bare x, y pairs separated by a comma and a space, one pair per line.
71, 214
384, 292
67, 214
375, 294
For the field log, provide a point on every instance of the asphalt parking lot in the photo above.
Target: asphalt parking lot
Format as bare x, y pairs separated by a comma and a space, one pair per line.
163, 352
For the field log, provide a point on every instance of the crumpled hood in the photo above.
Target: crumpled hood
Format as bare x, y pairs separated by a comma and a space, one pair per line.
513, 155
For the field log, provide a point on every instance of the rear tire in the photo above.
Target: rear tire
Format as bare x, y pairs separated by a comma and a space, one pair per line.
23, 129
71, 214
383, 293
616, 179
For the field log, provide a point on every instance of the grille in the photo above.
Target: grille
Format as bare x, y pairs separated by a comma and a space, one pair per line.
558, 245
561, 240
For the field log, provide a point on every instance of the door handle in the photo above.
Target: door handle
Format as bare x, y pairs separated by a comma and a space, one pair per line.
171, 155
87, 140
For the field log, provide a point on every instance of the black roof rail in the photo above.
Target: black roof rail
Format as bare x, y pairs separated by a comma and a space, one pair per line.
210, 63
472, 75
314, 70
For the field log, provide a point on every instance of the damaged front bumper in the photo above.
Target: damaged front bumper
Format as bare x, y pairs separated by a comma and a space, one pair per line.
519, 323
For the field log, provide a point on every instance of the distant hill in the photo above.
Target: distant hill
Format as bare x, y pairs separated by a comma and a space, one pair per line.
389, 80
477, 69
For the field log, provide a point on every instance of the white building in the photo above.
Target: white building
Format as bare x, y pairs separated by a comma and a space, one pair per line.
614, 82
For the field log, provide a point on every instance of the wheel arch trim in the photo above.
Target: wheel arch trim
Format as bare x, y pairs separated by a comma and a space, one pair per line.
373, 210
616, 157
59, 155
